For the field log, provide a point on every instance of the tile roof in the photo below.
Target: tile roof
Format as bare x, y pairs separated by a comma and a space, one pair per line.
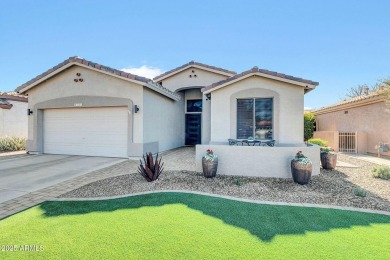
13, 96
193, 63
263, 71
4, 104
77, 60
373, 96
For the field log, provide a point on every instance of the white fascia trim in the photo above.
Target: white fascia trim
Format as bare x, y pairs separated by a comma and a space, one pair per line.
160, 89
355, 104
69, 65
149, 85
198, 67
305, 85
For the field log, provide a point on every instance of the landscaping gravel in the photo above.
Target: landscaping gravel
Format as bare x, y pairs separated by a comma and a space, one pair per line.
329, 188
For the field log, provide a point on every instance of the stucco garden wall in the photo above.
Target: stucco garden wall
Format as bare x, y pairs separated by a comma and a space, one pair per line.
371, 119
331, 136
287, 112
257, 161
13, 122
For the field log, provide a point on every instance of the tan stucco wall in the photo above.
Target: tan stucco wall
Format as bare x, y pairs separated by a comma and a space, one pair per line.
95, 84
182, 80
271, 161
331, 136
192, 94
13, 122
288, 109
206, 120
371, 119
164, 122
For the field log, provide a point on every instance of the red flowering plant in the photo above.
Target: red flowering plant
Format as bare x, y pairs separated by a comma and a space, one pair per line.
301, 158
327, 150
210, 156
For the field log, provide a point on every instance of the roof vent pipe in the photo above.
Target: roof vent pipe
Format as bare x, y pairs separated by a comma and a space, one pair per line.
366, 90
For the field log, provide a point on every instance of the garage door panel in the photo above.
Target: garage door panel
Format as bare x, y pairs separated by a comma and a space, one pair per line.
86, 131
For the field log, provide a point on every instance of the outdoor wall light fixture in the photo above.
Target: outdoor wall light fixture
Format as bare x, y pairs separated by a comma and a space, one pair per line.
29, 112
208, 96
136, 109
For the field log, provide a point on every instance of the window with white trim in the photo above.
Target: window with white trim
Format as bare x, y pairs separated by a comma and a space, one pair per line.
254, 118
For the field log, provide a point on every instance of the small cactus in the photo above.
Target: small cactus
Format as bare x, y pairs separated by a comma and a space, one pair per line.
150, 170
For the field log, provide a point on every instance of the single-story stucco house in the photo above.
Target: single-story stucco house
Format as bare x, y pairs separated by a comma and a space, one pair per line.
83, 108
357, 125
13, 116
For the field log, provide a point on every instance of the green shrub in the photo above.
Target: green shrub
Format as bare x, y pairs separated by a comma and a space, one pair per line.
309, 125
238, 182
382, 172
12, 143
318, 141
360, 192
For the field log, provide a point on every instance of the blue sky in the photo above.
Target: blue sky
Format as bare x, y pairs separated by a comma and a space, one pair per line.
341, 44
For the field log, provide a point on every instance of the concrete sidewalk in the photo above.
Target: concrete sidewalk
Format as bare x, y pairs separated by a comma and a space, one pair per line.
369, 158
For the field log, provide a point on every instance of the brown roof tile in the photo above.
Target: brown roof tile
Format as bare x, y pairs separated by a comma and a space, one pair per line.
193, 63
91, 64
13, 96
83, 62
356, 100
257, 70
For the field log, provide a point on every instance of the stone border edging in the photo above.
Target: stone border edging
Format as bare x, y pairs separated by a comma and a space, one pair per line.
230, 198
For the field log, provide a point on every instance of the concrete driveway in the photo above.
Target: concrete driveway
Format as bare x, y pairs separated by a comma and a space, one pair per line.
20, 176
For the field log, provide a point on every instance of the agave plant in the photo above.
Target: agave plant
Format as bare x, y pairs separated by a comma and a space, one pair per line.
150, 170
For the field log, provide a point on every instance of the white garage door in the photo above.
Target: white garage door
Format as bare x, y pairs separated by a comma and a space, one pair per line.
86, 131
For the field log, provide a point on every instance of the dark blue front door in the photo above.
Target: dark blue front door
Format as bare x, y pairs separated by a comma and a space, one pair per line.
193, 129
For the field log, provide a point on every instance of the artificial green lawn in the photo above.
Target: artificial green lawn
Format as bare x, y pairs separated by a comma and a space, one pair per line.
189, 226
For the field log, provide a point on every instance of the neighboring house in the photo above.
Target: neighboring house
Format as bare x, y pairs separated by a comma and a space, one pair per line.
83, 108
13, 114
359, 124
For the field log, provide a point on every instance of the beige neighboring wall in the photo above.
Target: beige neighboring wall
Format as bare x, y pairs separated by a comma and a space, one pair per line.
287, 113
182, 79
164, 122
331, 136
104, 87
371, 119
13, 121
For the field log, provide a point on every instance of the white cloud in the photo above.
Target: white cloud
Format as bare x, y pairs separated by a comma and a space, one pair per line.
144, 71
308, 108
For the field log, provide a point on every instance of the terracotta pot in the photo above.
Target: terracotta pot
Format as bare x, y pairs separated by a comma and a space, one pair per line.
301, 173
209, 167
328, 160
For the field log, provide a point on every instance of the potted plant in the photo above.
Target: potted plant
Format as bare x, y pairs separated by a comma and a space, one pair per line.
301, 168
328, 158
210, 164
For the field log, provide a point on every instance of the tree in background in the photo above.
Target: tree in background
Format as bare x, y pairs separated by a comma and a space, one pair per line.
309, 125
385, 86
361, 90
